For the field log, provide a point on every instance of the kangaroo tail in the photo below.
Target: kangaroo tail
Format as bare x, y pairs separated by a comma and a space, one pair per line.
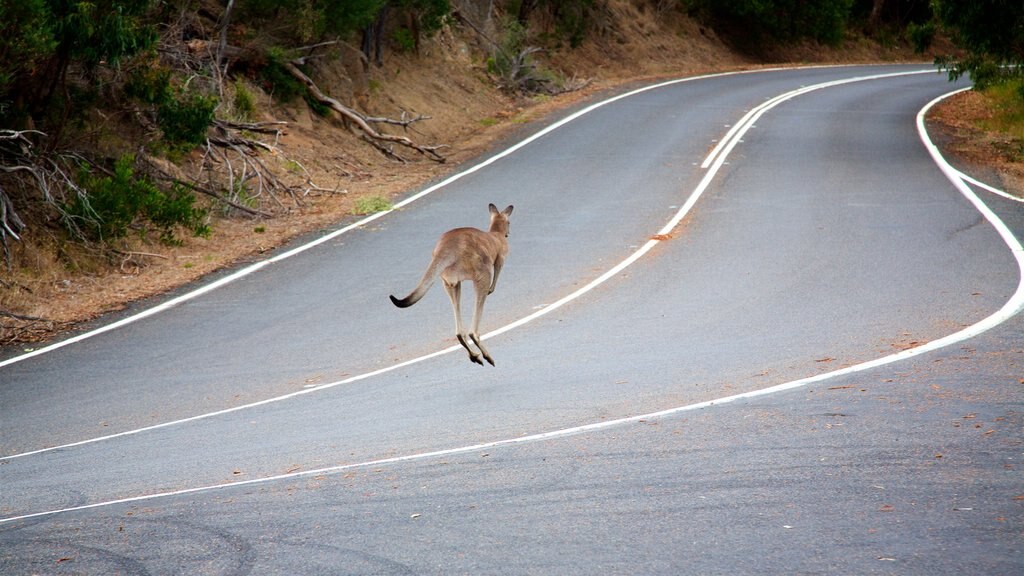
425, 283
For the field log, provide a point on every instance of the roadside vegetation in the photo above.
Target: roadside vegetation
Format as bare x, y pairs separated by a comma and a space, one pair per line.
144, 143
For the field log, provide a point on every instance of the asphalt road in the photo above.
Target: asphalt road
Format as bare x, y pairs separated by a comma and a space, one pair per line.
826, 238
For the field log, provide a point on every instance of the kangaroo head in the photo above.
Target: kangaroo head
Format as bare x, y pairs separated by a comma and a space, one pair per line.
499, 220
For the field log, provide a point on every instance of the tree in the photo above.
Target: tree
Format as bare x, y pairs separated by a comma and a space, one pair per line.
991, 32
43, 38
756, 21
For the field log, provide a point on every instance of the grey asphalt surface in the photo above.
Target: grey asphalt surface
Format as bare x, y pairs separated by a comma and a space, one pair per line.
830, 238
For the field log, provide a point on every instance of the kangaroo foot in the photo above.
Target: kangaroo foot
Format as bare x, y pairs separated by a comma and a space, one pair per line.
473, 356
476, 340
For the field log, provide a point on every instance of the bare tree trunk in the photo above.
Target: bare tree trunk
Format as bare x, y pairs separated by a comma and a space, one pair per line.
876, 15
525, 8
373, 38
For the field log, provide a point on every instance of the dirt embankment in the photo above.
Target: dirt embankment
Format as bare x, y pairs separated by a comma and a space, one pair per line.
54, 285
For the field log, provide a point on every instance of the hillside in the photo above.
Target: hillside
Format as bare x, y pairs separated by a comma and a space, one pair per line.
330, 172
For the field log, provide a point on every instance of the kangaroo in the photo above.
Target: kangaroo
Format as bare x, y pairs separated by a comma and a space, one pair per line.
467, 254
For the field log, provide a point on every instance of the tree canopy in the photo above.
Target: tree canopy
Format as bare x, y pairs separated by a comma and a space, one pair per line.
991, 32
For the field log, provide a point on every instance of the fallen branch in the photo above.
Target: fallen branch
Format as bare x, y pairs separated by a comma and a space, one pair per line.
403, 122
373, 136
160, 174
24, 329
261, 127
7, 314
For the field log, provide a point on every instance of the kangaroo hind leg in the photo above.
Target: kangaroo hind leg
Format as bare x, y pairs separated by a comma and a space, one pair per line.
454, 294
482, 290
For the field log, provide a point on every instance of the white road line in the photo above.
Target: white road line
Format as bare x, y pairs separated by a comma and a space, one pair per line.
729, 145
992, 189
745, 123
1012, 307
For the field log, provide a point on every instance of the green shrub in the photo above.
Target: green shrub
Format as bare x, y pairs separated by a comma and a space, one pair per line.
112, 204
182, 116
758, 23
245, 102
277, 80
372, 205
185, 118
149, 84
405, 40
921, 36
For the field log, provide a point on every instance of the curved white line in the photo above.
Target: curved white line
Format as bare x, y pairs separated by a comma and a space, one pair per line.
975, 182
729, 145
1012, 307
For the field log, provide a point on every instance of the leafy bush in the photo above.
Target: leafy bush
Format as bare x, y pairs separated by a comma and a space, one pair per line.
308, 20
244, 102
405, 40
149, 84
761, 21
184, 118
992, 33
112, 204
41, 39
429, 14
921, 35
26, 35
277, 80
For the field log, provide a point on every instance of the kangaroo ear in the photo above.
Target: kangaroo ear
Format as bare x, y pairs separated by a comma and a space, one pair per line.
492, 208
507, 211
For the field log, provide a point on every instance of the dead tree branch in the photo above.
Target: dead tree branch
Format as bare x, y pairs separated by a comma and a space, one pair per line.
371, 135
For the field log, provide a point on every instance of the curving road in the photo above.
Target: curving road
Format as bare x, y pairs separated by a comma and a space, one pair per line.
293, 421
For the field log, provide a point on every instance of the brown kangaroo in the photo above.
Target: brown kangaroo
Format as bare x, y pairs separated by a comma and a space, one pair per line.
467, 254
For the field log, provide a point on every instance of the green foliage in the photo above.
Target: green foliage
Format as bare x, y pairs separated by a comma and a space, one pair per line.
150, 84
572, 19
405, 40
26, 36
182, 116
40, 39
112, 204
1007, 100
921, 35
372, 205
430, 14
185, 117
510, 45
758, 22
244, 102
992, 33
318, 107
101, 30
277, 80
309, 20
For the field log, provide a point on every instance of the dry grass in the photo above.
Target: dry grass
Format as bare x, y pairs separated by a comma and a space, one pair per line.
986, 129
